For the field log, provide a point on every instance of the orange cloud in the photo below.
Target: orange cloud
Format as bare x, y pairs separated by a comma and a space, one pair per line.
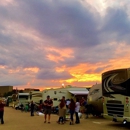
11, 71
79, 73
33, 69
62, 54
54, 58
61, 69
2, 67
84, 74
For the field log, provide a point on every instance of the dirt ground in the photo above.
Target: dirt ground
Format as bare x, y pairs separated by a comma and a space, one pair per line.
17, 120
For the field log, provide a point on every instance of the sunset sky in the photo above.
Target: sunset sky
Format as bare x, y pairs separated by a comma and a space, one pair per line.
47, 43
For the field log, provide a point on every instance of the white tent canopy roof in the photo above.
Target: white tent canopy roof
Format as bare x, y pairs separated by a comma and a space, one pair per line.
75, 92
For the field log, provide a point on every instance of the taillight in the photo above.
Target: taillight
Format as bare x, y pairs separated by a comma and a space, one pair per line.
127, 100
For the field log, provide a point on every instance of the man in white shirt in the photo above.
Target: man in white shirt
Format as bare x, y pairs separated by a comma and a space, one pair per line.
77, 108
67, 103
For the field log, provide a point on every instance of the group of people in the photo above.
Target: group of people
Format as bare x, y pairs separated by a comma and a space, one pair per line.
48, 103
64, 106
73, 107
70, 105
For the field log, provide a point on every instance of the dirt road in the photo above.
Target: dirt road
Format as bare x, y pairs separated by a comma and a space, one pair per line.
17, 120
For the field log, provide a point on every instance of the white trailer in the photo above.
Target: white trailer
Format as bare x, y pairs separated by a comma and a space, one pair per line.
68, 93
36, 96
56, 95
23, 98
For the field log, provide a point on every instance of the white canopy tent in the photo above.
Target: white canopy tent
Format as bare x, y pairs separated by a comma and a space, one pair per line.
78, 92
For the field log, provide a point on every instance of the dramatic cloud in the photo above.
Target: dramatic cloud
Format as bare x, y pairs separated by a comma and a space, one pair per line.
44, 43
49, 75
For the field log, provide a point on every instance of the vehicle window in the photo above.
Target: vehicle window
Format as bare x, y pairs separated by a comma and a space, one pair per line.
55, 99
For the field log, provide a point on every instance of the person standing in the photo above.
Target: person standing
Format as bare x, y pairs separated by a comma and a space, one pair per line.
72, 110
61, 111
77, 108
67, 103
32, 106
64, 117
82, 103
2, 104
48, 103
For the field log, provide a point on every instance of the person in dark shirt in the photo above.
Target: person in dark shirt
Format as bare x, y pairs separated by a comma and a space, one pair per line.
32, 105
2, 104
72, 110
83, 103
48, 103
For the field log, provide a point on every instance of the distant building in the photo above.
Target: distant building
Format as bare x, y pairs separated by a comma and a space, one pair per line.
5, 89
28, 90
